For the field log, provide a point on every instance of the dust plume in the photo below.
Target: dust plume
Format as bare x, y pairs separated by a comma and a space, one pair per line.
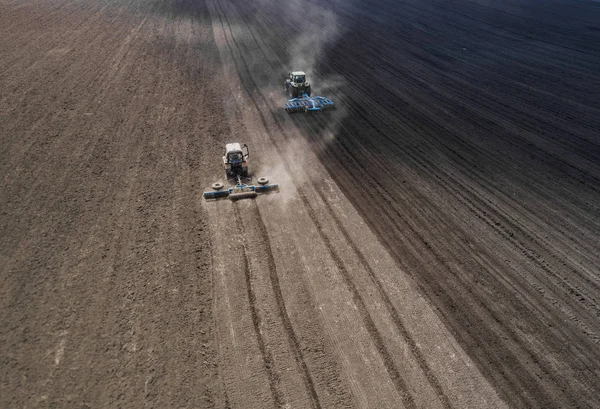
309, 29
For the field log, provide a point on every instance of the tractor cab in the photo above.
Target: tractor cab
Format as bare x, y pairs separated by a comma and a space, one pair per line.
236, 159
298, 77
296, 85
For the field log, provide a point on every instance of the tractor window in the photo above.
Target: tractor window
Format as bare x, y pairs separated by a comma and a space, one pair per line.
299, 78
235, 157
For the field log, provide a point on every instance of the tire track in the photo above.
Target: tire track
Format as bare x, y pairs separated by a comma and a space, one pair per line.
398, 381
289, 329
340, 395
491, 217
482, 206
213, 295
482, 302
444, 183
432, 379
419, 357
256, 318
393, 372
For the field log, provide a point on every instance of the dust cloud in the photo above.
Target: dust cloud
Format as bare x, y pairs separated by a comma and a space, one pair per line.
313, 28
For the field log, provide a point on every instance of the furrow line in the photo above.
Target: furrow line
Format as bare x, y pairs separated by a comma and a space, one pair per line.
506, 229
256, 319
531, 254
289, 329
452, 180
388, 206
427, 371
393, 372
432, 379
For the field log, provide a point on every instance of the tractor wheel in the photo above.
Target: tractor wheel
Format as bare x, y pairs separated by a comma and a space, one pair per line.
308, 90
262, 181
244, 173
217, 186
293, 92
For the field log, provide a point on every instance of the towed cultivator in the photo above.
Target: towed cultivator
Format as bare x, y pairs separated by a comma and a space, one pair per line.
236, 166
240, 190
308, 104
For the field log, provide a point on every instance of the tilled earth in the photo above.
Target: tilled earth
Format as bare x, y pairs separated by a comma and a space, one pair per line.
435, 240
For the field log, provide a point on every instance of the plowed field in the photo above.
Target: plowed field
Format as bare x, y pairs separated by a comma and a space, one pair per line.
435, 242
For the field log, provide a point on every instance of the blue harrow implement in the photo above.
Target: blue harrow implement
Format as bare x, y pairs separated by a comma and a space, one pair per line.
308, 104
240, 190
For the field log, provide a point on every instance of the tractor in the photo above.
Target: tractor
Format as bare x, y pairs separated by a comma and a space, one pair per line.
300, 100
296, 85
235, 160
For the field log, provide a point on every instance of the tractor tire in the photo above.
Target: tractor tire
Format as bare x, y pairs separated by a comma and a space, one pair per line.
307, 90
262, 181
293, 92
244, 173
217, 186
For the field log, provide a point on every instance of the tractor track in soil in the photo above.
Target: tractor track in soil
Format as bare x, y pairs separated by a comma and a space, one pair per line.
256, 319
252, 90
293, 338
514, 233
308, 381
453, 186
283, 315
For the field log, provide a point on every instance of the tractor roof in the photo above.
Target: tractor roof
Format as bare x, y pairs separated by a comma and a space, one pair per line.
298, 73
233, 147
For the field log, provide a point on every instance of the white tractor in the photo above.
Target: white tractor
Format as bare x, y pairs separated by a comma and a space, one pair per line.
299, 91
235, 160
296, 85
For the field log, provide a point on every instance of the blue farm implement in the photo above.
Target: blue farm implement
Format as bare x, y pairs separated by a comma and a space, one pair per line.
240, 190
308, 104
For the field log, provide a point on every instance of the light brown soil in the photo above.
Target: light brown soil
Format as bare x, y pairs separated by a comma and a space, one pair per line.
434, 242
